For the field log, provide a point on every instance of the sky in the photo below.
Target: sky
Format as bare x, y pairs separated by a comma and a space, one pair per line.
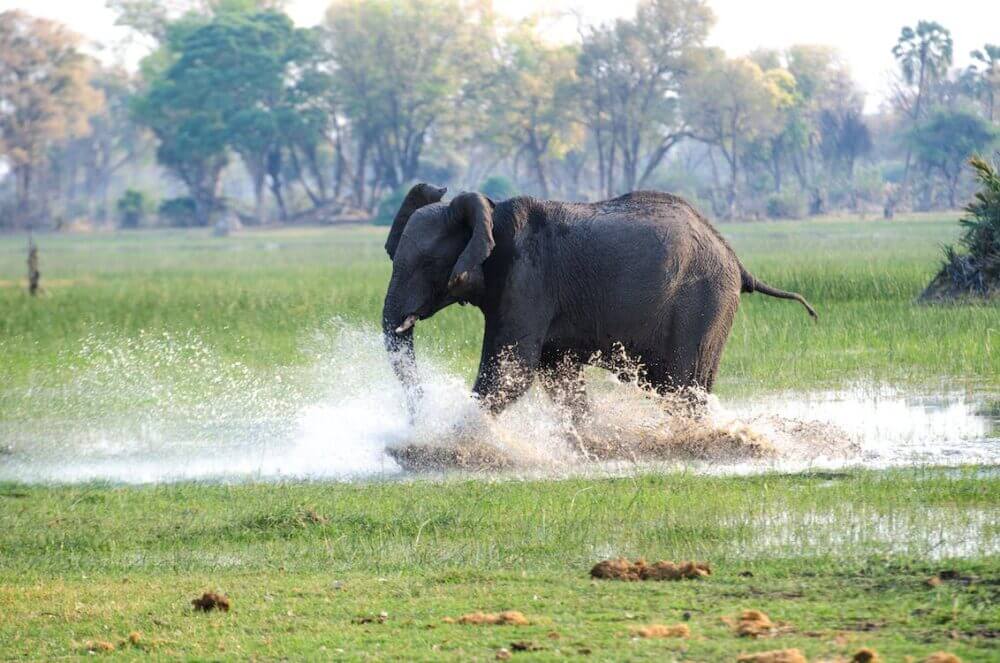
864, 31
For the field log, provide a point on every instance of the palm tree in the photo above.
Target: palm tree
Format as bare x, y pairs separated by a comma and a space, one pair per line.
924, 54
985, 71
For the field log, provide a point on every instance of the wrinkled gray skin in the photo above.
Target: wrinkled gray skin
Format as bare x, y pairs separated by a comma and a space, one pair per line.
557, 282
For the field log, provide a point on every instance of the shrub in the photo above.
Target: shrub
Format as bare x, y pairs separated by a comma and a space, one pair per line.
179, 212
497, 188
973, 269
785, 205
132, 207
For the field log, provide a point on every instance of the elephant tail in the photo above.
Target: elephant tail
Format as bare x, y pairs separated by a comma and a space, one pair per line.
751, 284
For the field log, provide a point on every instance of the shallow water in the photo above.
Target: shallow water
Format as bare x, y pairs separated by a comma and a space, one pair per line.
179, 414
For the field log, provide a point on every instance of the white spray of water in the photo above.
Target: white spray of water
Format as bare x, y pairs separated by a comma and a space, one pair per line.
182, 414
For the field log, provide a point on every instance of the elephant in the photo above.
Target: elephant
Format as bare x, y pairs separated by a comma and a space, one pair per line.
559, 283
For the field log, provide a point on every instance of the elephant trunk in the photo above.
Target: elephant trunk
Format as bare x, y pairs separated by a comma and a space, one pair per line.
399, 345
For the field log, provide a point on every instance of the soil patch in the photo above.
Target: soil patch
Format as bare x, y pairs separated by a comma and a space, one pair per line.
505, 618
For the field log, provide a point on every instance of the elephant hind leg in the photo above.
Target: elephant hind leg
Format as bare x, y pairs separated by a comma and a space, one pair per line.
693, 349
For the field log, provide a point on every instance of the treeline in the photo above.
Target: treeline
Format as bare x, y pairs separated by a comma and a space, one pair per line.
239, 114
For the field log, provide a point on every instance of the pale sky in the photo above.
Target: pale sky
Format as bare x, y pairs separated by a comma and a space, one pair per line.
863, 30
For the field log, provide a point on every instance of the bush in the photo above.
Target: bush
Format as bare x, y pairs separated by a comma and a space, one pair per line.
497, 188
178, 212
132, 207
786, 205
388, 205
974, 269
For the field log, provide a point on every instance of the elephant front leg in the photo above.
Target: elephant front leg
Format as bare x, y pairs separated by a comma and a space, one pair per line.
564, 382
506, 370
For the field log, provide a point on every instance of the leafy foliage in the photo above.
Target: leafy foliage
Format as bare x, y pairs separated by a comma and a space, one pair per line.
976, 269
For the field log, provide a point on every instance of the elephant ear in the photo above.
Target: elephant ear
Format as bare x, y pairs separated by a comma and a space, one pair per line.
472, 211
418, 196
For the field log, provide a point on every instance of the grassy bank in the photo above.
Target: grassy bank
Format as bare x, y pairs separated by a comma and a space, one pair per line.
841, 559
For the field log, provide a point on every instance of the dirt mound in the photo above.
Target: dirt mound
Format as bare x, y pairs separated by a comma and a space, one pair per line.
774, 656
754, 624
662, 631
505, 618
866, 655
623, 569
463, 455
211, 601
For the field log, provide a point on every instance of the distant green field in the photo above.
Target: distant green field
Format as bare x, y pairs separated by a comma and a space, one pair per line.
254, 298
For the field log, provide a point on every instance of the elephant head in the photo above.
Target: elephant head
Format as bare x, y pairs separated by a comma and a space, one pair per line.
437, 253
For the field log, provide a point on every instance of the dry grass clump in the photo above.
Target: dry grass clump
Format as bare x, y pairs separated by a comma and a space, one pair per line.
211, 601
99, 646
942, 657
505, 618
662, 631
774, 656
623, 569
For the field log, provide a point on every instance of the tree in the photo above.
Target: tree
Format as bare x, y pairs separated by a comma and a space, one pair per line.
530, 100
924, 54
632, 73
732, 103
182, 108
946, 140
985, 72
400, 70
114, 140
153, 18
825, 132
259, 65
44, 96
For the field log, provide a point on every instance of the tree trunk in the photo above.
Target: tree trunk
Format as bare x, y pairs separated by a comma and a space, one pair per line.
537, 162
23, 182
258, 176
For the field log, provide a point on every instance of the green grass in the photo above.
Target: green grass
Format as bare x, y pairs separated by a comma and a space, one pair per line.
301, 562
842, 558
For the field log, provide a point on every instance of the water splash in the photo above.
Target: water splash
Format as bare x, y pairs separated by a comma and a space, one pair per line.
160, 408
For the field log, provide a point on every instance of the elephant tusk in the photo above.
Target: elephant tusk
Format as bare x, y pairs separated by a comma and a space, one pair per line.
407, 324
